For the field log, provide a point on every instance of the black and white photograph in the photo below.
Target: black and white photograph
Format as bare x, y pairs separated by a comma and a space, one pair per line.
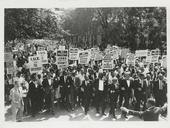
92, 64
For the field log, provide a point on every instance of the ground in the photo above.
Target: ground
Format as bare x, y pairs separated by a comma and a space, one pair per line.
76, 115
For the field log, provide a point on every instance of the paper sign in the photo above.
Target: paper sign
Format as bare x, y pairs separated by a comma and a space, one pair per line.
164, 61
84, 57
35, 64
130, 60
73, 54
43, 55
141, 53
107, 62
8, 57
61, 47
41, 48
62, 59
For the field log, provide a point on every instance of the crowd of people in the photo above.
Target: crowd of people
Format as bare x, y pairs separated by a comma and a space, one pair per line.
84, 85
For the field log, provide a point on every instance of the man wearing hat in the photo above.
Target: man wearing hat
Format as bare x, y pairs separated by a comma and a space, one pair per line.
126, 90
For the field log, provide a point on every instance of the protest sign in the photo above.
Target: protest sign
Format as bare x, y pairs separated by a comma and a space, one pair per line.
98, 56
62, 59
41, 48
124, 52
130, 60
73, 54
114, 54
43, 55
8, 57
35, 64
155, 59
164, 61
84, 57
141, 53
148, 59
10, 67
61, 47
107, 62
93, 53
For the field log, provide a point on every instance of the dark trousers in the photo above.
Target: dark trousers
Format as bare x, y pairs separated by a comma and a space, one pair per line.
100, 101
125, 96
86, 103
49, 101
34, 106
140, 97
113, 103
160, 98
65, 98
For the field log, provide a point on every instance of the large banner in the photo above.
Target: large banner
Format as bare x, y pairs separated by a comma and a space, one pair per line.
84, 57
130, 60
107, 62
43, 55
62, 59
73, 53
35, 64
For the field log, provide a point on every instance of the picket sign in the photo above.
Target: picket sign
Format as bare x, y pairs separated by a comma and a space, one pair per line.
155, 59
114, 54
148, 59
43, 55
94, 51
84, 57
130, 60
41, 48
61, 47
8, 56
62, 59
107, 62
141, 53
35, 64
73, 53
124, 52
164, 61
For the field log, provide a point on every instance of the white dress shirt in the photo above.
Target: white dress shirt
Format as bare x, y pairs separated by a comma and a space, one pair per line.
101, 85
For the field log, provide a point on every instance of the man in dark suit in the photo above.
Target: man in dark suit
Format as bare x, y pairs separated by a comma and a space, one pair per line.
33, 94
150, 114
49, 93
126, 89
101, 87
86, 88
64, 90
113, 95
160, 90
140, 91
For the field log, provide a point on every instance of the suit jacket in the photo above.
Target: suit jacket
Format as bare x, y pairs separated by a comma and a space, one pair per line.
33, 91
157, 91
138, 88
149, 88
105, 90
87, 89
150, 114
123, 85
46, 85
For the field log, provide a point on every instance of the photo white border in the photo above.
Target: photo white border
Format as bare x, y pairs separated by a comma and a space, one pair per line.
76, 4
